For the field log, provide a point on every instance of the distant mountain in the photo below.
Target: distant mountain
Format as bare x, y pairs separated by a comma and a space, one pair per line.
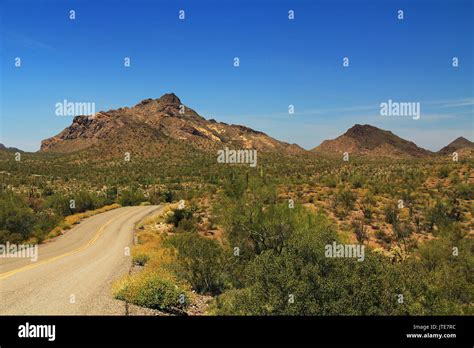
155, 123
11, 149
367, 140
460, 143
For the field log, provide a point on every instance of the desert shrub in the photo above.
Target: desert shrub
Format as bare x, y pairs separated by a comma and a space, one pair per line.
455, 179
85, 201
182, 219
168, 196
329, 181
436, 283
402, 231
152, 290
201, 262
47, 220
154, 197
302, 281
445, 279
439, 215
59, 203
156, 285
225, 304
256, 221
357, 180
443, 172
187, 225
16, 217
256, 227
140, 259
7, 236
111, 194
465, 191
127, 198
346, 200
234, 185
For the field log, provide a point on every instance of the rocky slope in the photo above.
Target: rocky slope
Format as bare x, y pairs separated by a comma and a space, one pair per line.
10, 149
460, 144
367, 140
153, 123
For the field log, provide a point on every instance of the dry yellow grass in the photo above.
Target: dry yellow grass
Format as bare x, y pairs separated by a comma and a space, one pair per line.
157, 260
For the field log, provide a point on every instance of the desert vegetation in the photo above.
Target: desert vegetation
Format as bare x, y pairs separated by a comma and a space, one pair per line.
251, 240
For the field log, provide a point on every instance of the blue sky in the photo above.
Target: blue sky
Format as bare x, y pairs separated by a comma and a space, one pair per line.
282, 62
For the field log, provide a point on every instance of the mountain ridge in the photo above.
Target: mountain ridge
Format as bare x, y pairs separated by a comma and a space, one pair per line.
457, 144
10, 149
152, 124
165, 117
367, 140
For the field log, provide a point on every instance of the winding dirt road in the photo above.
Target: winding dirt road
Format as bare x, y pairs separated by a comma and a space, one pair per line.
74, 273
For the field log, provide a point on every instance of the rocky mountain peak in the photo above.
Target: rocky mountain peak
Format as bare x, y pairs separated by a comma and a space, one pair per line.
169, 98
457, 144
371, 141
159, 121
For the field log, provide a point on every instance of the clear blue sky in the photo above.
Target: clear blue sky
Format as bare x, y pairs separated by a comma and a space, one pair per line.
282, 62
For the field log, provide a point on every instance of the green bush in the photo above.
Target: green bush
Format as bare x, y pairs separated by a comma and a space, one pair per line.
329, 181
438, 215
345, 199
234, 185
443, 172
16, 217
140, 259
357, 181
201, 261
303, 281
131, 198
465, 191
168, 196
152, 291
84, 201
182, 219
59, 203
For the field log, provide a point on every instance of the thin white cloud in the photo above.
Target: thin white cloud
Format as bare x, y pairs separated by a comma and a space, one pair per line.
26, 41
451, 103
